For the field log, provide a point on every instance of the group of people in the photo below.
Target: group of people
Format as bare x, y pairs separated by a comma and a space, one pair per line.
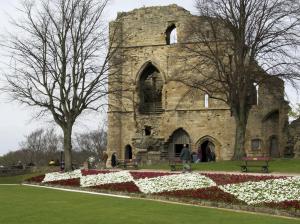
114, 160
187, 157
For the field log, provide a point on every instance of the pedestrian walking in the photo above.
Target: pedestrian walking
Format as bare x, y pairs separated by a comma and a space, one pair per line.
185, 157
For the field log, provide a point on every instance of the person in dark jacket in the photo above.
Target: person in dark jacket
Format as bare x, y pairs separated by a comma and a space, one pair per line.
114, 160
185, 157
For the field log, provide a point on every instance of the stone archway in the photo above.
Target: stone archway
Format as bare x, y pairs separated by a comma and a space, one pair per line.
177, 140
208, 149
128, 152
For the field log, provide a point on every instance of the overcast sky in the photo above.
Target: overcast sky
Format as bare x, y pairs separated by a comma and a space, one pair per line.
17, 121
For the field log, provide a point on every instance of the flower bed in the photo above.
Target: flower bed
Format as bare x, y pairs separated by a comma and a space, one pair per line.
94, 172
223, 179
173, 183
36, 179
143, 175
209, 194
125, 187
107, 178
55, 176
261, 190
277, 190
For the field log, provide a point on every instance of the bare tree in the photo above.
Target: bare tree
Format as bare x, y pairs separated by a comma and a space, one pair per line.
33, 145
61, 61
92, 141
237, 44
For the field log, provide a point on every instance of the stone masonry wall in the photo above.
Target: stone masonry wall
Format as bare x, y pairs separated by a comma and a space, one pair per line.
145, 42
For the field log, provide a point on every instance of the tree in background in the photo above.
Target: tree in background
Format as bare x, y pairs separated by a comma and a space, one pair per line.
43, 145
238, 44
60, 63
93, 141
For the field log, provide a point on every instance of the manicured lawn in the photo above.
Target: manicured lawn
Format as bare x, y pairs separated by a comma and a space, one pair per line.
276, 165
20, 204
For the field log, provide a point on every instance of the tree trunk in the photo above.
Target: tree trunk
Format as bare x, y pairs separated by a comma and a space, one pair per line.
241, 119
68, 147
239, 147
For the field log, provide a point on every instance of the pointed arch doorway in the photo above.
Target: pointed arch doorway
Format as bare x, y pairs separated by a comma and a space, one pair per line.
177, 140
208, 149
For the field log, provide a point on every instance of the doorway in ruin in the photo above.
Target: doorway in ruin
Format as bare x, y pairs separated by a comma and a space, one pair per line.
206, 151
178, 139
274, 152
128, 152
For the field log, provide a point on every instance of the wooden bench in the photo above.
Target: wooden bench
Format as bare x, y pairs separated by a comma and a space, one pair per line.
262, 162
177, 163
124, 164
174, 163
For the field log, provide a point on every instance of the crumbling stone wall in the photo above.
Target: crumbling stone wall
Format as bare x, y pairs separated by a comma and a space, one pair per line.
144, 44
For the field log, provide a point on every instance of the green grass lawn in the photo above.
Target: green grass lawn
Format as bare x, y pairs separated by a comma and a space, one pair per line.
16, 179
276, 165
21, 204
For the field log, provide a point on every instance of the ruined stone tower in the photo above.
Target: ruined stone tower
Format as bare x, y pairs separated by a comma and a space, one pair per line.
155, 116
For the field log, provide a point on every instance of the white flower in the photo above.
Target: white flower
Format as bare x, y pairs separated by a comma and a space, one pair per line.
173, 183
276, 190
108, 178
55, 176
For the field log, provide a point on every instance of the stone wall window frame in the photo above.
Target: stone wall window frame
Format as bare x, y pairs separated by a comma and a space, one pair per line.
256, 97
171, 35
256, 144
150, 88
148, 130
206, 101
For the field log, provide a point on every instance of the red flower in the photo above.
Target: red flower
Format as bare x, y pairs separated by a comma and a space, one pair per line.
75, 182
36, 179
127, 187
209, 194
222, 179
284, 205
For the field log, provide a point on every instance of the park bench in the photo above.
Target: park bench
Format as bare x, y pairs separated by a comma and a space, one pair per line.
175, 163
124, 164
262, 162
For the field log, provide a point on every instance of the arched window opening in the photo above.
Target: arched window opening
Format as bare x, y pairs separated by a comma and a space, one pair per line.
253, 93
256, 91
171, 35
206, 98
128, 152
151, 85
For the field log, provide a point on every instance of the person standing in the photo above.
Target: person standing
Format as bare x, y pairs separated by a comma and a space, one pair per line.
114, 160
185, 157
104, 159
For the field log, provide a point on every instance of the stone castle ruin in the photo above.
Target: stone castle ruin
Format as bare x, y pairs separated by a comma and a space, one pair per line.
156, 116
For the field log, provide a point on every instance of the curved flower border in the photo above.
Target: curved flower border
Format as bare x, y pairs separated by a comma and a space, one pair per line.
249, 189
